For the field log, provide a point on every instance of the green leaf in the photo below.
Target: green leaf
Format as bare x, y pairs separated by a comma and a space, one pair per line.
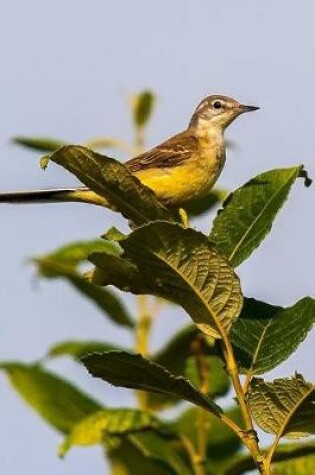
143, 105
219, 436
117, 271
41, 144
298, 466
203, 205
222, 443
284, 407
248, 213
157, 448
93, 429
112, 180
106, 300
75, 253
217, 382
78, 349
265, 335
135, 372
189, 271
295, 459
58, 402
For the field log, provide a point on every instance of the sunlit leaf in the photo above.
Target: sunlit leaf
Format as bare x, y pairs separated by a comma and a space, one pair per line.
248, 213
57, 401
265, 335
112, 180
135, 372
285, 407
93, 429
189, 271
41, 144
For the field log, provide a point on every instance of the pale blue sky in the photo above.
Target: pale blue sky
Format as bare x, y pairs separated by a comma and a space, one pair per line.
66, 69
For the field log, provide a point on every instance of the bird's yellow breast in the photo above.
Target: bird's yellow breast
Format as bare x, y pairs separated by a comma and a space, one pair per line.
191, 179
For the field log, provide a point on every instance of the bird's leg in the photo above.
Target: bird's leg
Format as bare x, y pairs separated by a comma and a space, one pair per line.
184, 217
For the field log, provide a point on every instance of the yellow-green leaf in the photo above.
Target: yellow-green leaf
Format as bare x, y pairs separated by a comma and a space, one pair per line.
93, 429
285, 407
58, 402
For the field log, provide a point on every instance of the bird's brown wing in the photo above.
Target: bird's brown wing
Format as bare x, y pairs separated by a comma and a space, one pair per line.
171, 153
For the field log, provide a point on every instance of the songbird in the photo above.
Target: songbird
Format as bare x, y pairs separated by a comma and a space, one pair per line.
181, 169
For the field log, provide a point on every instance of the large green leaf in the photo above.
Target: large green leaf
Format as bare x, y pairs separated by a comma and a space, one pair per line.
77, 349
133, 371
142, 105
58, 402
93, 429
265, 335
181, 265
284, 407
112, 180
42, 144
248, 213
106, 300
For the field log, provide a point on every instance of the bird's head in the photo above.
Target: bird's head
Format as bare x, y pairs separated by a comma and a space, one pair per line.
217, 112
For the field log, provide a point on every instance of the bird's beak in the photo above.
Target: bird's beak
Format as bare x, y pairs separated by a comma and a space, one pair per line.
244, 108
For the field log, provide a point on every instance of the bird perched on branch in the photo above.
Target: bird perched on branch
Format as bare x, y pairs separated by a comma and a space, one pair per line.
182, 168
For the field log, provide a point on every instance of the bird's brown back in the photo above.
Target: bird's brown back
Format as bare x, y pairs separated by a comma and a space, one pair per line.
171, 153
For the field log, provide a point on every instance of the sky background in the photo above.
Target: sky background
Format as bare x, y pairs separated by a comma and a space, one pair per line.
67, 67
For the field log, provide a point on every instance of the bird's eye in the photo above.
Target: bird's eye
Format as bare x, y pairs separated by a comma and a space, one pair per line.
217, 104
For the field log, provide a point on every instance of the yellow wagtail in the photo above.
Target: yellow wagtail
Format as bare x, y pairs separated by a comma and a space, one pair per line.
182, 168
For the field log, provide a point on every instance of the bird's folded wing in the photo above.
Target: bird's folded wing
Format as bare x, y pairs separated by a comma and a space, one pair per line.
171, 153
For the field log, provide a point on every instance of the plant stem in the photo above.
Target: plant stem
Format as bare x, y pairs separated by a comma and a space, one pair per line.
248, 436
142, 337
202, 421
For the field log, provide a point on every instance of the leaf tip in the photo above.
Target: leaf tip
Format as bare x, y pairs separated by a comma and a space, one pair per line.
304, 174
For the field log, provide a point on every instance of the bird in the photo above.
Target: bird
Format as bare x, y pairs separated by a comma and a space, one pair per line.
179, 170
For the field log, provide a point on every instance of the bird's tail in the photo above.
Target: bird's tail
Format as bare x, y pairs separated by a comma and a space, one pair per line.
81, 195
